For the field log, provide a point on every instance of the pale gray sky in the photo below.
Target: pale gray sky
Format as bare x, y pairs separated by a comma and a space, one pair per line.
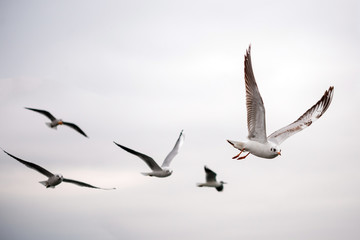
137, 72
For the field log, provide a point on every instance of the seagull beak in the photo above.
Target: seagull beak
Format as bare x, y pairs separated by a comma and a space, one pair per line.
279, 153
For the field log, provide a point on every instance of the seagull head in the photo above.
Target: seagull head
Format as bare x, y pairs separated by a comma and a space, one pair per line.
59, 176
275, 151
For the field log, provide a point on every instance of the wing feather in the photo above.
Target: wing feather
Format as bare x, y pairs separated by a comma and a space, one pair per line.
32, 165
75, 127
174, 151
210, 175
148, 160
82, 184
310, 116
254, 103
46, 113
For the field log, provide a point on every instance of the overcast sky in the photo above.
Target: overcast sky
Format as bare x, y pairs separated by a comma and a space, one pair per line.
138, 72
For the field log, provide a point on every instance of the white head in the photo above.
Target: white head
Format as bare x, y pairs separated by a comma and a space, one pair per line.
274, 150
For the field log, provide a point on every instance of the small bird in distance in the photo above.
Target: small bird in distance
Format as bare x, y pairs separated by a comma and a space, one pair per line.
211, 180
55, 122
53, 179
158, 171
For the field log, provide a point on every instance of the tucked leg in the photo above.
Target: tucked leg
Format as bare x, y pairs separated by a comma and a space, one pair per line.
238, 154
243, 157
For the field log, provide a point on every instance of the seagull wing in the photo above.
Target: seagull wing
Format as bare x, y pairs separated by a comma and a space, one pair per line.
75, 127
174, 151
210, 175
46, 113
32, 165
310, 116
148, 160
254, 104
82, 184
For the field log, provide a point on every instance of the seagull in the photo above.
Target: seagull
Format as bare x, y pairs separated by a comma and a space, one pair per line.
158, 171
258, 144
53, 179
211, 180
55, 122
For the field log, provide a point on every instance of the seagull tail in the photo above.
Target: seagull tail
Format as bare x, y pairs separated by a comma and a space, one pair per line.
49, 125
146, 174
45, 183
238, 145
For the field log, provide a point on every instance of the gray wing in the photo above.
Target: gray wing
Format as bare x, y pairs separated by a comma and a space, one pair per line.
46, 113
254, 104
82, 184
174, 151
210, 175
310, 116
148, 160
32, 165
75, 127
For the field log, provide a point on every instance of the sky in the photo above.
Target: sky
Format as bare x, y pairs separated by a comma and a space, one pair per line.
138, 72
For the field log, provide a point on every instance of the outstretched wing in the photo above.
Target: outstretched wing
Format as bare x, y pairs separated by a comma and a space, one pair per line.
82, 184
75, 127
210, 175
148, 160
254, 104
46, 113
310, 116
174, 151
32, 165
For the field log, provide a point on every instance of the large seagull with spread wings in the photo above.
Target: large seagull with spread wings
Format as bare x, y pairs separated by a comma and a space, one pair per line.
258, 143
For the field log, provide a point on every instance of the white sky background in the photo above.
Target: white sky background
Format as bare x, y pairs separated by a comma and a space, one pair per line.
137, 72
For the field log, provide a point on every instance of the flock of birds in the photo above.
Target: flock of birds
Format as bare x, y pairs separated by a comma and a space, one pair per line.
258, 143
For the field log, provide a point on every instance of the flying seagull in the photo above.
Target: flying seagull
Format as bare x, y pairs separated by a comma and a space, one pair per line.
55, 122
53, 179
158, 171
258, 143
211, 180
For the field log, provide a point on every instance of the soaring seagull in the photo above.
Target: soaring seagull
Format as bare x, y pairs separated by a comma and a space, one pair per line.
55, 122
158, 171
211, 180
258, 143
53, 179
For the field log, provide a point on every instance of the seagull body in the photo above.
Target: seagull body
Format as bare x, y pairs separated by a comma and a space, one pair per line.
258, 143
55, 122
211, 180
53, 179
158, 171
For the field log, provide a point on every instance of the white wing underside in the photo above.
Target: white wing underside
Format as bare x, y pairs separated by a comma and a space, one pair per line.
174, 151
254, 104
310, 116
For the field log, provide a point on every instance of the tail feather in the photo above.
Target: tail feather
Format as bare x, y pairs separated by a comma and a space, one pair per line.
45, 183
49, 125
238, 145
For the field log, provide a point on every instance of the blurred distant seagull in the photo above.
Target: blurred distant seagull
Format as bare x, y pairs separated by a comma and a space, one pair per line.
55, 122
158, 171
211, 180
54, 179
268, 147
